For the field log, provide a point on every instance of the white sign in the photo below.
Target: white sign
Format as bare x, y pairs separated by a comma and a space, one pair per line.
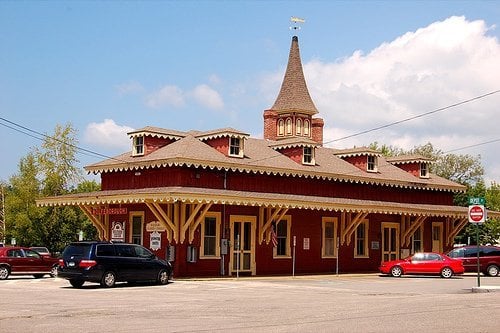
118, 232
477, 214
155, 241
306, 243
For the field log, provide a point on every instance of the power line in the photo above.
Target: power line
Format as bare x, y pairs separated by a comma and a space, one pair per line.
40, 136
415, 117
471, 146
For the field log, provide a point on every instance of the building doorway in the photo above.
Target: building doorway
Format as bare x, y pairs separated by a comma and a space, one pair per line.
242, 256
437, 237
390, 241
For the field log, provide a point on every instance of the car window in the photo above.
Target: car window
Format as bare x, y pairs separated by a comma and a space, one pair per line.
125, 251
470, 252
31, 254
18, 253
143, 252
433, 257
457, 253
418, 257
491, 252
105, 250
77, 250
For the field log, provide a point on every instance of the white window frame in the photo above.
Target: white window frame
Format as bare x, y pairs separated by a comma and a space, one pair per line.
217, 217
424, 170
281, 127
235, 143
288, 126
371, 163
307, 128
366, 241
138, 148
324, 222
310, 160
298, 126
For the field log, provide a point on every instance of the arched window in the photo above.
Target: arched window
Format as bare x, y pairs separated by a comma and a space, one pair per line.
307, 128
281, 127
289, 126
298, 126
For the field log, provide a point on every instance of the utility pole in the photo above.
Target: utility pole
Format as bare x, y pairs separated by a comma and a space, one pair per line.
2, 214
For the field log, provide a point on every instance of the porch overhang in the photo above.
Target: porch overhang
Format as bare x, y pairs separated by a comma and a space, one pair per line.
246, 198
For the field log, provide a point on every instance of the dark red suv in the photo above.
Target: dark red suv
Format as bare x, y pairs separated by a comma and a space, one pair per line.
489, 258
16, 260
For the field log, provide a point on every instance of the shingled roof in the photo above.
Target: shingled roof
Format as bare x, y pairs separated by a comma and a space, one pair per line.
294, 95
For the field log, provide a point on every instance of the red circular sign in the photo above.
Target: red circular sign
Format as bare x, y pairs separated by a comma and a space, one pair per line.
476, 213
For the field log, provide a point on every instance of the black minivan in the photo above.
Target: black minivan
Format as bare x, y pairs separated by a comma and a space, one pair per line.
107, 263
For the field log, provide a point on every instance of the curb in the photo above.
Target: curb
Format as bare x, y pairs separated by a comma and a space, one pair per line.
486, 289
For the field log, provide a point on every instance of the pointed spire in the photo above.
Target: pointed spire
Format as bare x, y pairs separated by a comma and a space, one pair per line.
294, 95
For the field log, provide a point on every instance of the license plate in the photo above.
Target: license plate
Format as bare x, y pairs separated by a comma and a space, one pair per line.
71, 264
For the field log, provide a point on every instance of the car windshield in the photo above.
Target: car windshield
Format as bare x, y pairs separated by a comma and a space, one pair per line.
77, 250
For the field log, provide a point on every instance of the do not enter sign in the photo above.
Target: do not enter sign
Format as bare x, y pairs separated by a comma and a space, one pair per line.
476, 214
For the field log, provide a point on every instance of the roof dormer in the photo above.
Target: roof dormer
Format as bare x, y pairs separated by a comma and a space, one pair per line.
228, 141
363, 158
148, 139
417, 165
300, 150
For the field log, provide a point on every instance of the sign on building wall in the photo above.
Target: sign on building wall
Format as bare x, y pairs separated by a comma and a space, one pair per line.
155, 241
155, 226
109, 211
306, 243
118, 231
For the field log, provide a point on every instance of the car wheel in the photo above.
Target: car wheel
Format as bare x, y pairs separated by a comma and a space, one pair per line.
396, 271
492, 270
4, 273
446, 273
108, 279
163, 277
53, 271
76, 283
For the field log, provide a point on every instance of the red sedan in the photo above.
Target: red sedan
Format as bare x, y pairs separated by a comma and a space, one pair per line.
423, 263
24, 261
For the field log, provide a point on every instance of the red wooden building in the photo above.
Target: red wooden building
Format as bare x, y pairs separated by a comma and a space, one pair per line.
223, 203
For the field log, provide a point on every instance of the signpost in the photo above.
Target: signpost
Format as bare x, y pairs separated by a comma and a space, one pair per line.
477, 215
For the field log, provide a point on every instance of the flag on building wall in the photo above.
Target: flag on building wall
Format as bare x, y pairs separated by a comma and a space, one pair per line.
274, 238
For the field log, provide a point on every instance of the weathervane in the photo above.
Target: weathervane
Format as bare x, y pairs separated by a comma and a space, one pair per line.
296, 21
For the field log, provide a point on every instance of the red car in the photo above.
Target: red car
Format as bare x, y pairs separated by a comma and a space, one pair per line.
24, 261
423, 263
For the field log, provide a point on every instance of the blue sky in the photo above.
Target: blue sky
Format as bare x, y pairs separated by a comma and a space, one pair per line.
110, 67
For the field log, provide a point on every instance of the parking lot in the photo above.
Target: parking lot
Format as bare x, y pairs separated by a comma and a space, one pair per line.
345, 303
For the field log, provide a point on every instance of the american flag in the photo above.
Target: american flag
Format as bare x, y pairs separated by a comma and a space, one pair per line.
274, 238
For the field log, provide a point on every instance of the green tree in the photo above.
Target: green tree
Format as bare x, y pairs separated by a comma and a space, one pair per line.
49, 170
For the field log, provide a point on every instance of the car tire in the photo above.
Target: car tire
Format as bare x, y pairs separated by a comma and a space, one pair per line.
446, 273
4, 272
163, 276
108, 279
76, 283
53, 271
492, 270
396, 271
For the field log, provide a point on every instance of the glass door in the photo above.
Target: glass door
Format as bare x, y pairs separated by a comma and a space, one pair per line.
390, 241
243, 244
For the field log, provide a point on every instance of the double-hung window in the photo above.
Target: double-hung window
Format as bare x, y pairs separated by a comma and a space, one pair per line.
361, 241
282, 248
236, 147
138, 148
329, 245
210, 236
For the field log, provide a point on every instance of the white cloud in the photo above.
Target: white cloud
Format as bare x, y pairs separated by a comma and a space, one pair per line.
433, 67
167, 96
207, 97
108, 135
